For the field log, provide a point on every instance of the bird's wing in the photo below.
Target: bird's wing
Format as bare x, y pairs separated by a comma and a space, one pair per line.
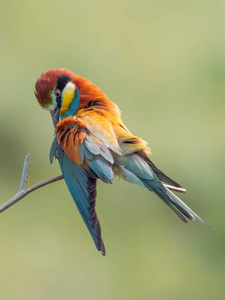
98, 123
84, 148
82, 186
163, 177
81, 183
83, 158
133, 144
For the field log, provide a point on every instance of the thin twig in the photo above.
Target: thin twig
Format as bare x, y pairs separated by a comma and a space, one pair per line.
22, 193
24, 174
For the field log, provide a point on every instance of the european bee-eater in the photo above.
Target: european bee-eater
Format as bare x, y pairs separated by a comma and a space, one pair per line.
92, 143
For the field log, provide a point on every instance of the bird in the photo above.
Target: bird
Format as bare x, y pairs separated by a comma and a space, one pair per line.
91, 142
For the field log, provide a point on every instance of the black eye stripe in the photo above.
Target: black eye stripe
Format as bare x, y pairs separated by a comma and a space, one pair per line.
61, 82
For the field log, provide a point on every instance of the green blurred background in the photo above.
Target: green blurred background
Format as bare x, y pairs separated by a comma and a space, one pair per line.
163, 63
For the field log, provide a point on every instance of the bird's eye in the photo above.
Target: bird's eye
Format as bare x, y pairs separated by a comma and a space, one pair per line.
57, 93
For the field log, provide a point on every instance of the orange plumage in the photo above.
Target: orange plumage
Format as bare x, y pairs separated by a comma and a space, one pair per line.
104, 113
88, 91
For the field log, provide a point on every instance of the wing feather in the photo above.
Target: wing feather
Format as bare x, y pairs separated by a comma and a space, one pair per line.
81, 147
81, 183
83, 158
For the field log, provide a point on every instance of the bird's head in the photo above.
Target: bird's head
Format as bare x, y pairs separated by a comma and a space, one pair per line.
57, 92
63, 93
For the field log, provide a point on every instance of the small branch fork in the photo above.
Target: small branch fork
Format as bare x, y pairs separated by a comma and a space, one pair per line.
24, 192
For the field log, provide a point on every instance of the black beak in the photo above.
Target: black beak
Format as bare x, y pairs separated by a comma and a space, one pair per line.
55, 116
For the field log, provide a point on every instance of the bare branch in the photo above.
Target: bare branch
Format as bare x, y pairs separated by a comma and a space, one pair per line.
22, 193
24, 174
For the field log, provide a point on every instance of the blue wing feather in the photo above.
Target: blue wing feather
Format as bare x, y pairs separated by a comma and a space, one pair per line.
83, 158
53, 150
81, 183
99, 158
102, 169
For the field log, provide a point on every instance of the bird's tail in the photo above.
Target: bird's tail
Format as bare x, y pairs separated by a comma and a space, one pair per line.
138, 169
175, 203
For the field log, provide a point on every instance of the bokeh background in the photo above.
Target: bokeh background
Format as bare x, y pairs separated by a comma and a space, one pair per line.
163, 63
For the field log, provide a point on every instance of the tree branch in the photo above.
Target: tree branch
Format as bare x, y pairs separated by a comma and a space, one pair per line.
22, 192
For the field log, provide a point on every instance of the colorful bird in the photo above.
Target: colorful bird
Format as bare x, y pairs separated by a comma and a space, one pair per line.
92, 143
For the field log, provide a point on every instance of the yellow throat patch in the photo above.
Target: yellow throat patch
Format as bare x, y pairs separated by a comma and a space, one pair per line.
67, 97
